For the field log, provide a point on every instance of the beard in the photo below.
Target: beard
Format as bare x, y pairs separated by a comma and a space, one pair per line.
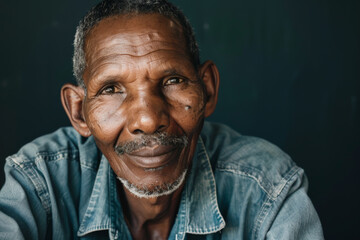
152, 190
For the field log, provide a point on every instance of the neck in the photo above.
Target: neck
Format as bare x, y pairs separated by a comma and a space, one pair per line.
150, 218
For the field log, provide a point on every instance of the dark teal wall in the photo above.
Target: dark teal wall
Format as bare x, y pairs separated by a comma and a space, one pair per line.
290, 73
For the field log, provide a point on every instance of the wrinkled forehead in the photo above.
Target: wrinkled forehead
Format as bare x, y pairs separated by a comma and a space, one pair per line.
133, 31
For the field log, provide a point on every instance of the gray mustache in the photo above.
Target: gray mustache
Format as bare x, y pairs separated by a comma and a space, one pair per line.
148, 140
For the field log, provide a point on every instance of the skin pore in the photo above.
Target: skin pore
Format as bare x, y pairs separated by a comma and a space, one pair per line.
140, 81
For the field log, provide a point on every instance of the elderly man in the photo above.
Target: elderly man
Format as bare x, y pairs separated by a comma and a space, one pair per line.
139, 161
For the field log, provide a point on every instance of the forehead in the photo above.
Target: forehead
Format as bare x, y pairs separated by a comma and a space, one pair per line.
135, 34
132, 42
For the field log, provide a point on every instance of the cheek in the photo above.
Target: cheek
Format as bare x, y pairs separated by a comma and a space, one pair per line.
103, 117
188, 106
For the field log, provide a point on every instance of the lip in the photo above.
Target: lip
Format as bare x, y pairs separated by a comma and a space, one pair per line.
153, 157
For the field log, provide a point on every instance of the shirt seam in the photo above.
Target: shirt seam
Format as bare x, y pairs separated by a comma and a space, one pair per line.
265, 209
71, 155
59, 155
27, 169
65, 154
275, 190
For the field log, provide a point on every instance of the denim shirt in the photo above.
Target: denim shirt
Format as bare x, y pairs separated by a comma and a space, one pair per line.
60, 186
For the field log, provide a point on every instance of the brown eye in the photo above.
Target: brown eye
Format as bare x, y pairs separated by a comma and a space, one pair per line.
110, 90
172, 81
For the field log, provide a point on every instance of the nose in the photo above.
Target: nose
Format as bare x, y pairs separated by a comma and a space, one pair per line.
148, 115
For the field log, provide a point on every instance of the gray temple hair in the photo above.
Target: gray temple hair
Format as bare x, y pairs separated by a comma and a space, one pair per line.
108, 8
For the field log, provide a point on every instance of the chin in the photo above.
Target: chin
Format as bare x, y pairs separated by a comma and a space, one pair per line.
156, 188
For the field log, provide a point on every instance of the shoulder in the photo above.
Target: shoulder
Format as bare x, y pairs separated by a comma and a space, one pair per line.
64, 143
53, 164
46, 174
248, 157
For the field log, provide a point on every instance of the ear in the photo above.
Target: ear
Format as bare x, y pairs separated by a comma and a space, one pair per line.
72, 100
210, 76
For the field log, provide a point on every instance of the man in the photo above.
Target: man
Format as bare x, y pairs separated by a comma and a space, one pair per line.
139, 162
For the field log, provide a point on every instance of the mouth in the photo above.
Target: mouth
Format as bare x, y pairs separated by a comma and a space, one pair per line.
152, 158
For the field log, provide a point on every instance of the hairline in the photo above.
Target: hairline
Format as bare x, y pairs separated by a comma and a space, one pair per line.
85, 27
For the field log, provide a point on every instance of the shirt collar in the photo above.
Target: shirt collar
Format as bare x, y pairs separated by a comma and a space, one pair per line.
202, 211
104, 210
198, 212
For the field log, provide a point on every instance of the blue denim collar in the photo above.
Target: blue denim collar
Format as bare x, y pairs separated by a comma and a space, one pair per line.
104, 210
202, 210
198, 212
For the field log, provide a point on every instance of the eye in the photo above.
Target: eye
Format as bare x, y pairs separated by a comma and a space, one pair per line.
109, 90
172, 81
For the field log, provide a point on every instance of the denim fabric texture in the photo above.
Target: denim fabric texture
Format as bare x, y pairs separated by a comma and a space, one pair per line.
60, 186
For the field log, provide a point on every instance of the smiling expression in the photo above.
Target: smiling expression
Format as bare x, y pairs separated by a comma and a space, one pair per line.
141, 84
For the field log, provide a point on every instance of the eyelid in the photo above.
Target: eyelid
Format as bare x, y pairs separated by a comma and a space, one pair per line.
117, 89
182, 79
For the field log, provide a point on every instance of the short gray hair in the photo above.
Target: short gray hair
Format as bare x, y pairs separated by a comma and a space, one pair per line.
108, 8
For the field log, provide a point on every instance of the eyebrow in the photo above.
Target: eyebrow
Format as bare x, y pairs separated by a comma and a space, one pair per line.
104, 79
173, 71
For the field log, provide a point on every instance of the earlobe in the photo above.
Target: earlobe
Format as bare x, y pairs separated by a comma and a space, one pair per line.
72, 100
210, 76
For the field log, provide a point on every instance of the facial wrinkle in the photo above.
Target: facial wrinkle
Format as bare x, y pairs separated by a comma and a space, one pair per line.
135, 50
112, 62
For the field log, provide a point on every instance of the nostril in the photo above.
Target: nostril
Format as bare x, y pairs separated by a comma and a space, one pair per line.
160, 128
138, 131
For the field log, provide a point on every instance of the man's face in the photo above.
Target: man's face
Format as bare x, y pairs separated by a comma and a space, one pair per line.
140, 82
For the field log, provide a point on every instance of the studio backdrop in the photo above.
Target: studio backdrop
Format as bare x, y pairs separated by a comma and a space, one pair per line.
289, 73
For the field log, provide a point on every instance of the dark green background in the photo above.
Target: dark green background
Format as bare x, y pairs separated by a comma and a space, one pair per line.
289, 74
